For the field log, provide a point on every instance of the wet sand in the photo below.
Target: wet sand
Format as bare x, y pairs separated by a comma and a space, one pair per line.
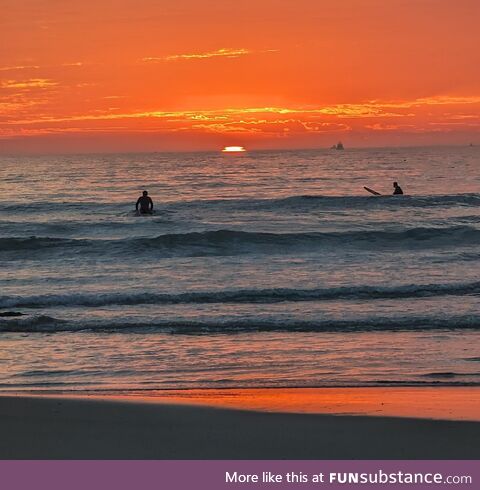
173, 427
441, 403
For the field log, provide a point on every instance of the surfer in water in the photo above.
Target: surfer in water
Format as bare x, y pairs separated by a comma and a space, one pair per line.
145, 203
397, 189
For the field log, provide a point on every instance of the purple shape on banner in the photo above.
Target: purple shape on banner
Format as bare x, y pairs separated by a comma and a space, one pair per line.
223, 475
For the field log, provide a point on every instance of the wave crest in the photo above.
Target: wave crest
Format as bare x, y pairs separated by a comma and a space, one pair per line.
224, 241
231, 326
274, 295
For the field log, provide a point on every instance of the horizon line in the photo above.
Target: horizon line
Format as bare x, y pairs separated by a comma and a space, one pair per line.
254, 150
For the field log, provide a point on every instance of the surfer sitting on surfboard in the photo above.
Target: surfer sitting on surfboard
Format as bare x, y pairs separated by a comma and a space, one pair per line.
397, 189
145, 203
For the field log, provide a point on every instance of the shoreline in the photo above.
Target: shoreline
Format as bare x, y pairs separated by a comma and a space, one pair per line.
169, 427
456, 403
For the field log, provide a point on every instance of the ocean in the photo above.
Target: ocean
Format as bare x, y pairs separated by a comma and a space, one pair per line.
258, 269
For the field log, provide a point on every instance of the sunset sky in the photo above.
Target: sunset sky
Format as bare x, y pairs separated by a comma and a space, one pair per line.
142, 75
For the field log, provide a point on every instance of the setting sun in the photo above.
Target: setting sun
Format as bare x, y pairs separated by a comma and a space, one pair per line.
233, 149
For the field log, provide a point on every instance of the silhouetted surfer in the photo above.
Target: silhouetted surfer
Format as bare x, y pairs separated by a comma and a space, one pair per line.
145, 203
397, 189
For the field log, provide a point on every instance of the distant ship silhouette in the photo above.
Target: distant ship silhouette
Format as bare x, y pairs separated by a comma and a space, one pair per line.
338, 146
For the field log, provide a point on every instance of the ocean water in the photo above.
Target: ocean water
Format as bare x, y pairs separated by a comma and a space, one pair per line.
257, 269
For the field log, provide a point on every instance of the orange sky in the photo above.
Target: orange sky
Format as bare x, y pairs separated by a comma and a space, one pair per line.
133, 75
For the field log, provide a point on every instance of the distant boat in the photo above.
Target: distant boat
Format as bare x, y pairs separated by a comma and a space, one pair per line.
338, 146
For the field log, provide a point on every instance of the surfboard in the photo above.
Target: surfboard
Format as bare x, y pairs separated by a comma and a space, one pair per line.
138, 213
375, 193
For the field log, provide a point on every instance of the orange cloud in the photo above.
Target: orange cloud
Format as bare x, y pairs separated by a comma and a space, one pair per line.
19, 67
222, 52
260, 124
256, 115
389, 127
31, 83
38, 67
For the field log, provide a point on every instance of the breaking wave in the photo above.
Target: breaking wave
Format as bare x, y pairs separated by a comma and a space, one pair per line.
44, 324
275, 295
220, 242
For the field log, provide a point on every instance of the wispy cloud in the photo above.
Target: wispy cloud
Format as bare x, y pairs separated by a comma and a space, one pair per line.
389, 127
415, 115
30, 83
367, 110
38, 67
19, 67
449, 100
16, 106
75, 63
219, 53
115, 97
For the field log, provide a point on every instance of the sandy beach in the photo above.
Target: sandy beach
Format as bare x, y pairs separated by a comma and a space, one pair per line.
35, 427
